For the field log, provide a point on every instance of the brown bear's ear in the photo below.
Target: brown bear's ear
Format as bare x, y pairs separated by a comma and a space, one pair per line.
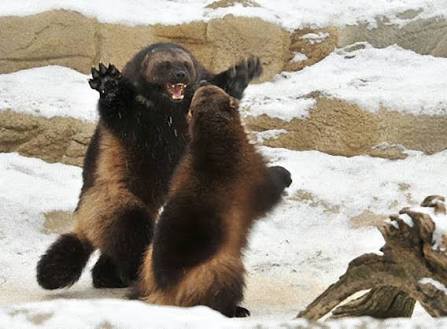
234, 103
145, 61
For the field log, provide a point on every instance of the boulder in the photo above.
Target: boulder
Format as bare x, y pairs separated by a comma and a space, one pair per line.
57, 139
67, 38
337, 127
426, 36
51, 38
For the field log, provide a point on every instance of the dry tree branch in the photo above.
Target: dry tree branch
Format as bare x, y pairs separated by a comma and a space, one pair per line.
412, 268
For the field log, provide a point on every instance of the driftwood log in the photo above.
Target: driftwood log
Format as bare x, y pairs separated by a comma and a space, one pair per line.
412, 267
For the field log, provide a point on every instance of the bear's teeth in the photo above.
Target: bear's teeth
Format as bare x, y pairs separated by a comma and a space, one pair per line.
176, 90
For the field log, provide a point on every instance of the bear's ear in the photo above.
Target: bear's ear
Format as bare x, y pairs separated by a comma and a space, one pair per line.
145, 61
234, 103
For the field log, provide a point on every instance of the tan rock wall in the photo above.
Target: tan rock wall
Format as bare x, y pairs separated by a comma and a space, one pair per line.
54, 37
314, 50
424, 36
337, 127
54, 140
333, 126
70, 39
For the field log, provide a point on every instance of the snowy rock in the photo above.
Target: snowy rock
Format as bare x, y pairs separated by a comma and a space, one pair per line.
78, 35
67, 38
358, 100
380, 102
314, 44
338, 127
425, 36
59, 139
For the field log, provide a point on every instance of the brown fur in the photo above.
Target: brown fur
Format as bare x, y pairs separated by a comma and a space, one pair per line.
97, 206
152, 63
139, 140
220, 176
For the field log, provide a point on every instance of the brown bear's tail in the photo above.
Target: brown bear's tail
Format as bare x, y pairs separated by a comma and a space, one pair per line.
63, 262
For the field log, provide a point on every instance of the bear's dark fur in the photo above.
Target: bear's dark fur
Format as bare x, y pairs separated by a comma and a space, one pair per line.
139, 139
219, 188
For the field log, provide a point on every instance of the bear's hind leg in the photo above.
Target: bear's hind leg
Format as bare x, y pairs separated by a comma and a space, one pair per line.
127, 240
105, 274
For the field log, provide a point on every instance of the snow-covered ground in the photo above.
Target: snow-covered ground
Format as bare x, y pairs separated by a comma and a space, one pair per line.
302, 246
104, 314
49, 91
294, 253
394, 78
289, 14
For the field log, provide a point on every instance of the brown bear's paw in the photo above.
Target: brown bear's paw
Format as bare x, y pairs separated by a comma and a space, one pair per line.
105, 79
239, 76
247, 69
241, 312
282, 176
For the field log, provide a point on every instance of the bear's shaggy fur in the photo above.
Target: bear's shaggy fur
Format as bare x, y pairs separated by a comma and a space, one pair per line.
219, 188
139, 139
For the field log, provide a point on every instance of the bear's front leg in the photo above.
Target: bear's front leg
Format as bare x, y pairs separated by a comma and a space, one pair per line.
117, 98
116, 93
105, 79
281, 177
236, 78
268, 193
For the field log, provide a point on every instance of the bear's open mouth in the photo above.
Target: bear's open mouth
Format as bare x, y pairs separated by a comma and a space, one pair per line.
176, 90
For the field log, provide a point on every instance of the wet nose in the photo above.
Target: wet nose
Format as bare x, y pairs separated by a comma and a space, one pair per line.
180, 74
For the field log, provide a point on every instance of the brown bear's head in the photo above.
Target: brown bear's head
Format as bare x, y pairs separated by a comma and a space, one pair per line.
214, 112
166, 67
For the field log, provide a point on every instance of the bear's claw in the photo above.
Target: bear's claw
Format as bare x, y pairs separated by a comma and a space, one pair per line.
247, 69
241, 312
104, 79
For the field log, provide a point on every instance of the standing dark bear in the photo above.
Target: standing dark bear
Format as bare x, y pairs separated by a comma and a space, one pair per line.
221, 186
139, 139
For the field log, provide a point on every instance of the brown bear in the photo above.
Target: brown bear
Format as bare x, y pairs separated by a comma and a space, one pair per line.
221, 186
139, 139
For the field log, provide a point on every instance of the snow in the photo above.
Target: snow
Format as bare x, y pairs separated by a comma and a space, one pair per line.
440, 221
269, 134
49, 91
107, 313
285, 106
438, 285
298, 57
129, 12
407, 220
404, 217
392, 78
298, 249
314, 38
131, 314
289, 14
440, 233
393, 223
29, 187
293, 254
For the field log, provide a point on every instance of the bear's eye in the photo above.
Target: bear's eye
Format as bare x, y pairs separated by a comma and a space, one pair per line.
187, 65
166, 64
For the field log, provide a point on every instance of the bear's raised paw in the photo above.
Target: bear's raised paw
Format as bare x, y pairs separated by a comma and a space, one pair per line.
246, 70
105, 79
